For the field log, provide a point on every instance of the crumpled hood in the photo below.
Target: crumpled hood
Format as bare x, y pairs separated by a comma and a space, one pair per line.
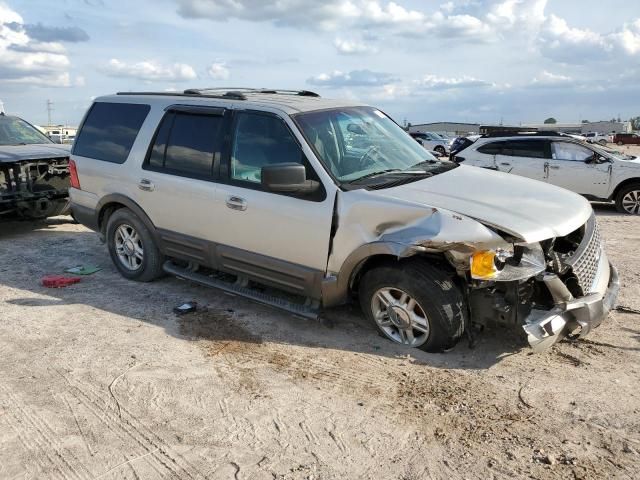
528, 209
16, 153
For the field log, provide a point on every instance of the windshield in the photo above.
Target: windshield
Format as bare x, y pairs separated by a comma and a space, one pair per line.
14, 131
358, 142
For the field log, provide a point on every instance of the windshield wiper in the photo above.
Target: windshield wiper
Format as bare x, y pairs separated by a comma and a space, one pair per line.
375, 174
429, 161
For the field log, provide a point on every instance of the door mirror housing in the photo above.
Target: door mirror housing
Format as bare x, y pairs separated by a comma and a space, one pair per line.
287, 178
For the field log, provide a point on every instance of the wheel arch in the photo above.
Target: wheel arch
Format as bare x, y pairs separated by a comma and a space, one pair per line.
110, 203
363, 259
624, 184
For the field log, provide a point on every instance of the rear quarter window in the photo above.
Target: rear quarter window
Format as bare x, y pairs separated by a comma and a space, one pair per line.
109, 131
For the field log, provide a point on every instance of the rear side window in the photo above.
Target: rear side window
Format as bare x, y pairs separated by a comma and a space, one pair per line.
526, 148
186, 144
109, 131
493, 148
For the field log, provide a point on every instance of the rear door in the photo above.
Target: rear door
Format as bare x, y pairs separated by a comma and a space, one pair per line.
176, 185
572, 167
524, 157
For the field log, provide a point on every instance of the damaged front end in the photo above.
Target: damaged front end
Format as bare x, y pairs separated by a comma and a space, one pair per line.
34, 188
572, 291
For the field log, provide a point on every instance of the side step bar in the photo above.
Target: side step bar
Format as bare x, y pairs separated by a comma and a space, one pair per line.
235, 289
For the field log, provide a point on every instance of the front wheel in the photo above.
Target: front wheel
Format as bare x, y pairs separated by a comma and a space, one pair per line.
132, 248
440, 149
620, 143
415, 304
628, 199
603, 142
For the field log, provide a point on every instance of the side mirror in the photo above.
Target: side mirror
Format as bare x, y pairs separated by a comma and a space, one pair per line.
287, 178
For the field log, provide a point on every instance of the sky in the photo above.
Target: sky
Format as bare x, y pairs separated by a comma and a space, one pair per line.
485, 61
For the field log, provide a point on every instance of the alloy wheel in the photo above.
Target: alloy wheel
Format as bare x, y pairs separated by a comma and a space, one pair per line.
400, 316
631, 202
129, 247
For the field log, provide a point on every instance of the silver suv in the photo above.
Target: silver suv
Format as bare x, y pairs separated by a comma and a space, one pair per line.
305, 203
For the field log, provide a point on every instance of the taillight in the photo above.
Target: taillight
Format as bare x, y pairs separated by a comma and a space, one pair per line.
73, 171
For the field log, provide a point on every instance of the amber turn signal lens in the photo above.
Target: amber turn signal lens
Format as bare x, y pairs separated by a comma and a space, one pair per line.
483, 264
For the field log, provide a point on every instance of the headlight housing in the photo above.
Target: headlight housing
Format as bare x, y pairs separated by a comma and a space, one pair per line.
519, 262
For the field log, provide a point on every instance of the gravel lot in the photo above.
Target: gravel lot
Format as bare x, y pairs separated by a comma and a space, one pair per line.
102, 380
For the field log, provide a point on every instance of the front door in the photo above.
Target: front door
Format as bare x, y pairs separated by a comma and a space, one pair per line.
280, 239
572, 167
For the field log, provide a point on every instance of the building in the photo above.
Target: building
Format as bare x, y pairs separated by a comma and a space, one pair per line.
453, 128
63, 130
580, 128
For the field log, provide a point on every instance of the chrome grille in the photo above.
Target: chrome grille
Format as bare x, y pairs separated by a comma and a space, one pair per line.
584, 261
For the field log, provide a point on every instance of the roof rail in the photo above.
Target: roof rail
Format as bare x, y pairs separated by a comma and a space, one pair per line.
521, 133
226, 93
237, 90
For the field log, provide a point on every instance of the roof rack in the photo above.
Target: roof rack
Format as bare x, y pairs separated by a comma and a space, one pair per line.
524, 133
240, 91
227, 93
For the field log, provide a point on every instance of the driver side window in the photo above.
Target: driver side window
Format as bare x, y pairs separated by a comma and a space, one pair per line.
570, 151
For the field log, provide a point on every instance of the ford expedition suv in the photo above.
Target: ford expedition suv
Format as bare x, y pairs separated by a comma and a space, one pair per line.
304, 203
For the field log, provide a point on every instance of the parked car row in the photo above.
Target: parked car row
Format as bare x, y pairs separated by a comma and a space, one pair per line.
306, 203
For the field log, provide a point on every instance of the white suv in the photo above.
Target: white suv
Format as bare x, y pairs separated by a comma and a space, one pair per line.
592, 171
304, 203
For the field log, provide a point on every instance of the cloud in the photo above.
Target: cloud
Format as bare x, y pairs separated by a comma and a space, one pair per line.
44, 33
551, 80
365, 14
24, 60
218, 71
434, 82
353, 47
149, 70
564, 43
355, 78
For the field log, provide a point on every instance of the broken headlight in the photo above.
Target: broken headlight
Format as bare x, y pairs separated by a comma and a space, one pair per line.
519, 262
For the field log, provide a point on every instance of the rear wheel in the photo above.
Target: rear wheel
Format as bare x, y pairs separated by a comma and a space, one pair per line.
415, 304
602, 142
132, 248
628, 199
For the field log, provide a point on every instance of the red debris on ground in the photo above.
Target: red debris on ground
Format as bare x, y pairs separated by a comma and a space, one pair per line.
58, 281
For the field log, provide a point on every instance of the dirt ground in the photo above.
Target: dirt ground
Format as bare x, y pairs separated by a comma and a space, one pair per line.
101, 380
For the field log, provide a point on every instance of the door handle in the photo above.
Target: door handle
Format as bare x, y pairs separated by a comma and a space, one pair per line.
146, 185
505, 164
236, 203
554, 167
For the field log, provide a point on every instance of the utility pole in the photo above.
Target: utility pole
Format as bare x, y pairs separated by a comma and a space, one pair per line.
49, 110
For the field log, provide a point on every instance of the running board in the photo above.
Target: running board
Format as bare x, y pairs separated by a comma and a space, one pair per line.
247, 292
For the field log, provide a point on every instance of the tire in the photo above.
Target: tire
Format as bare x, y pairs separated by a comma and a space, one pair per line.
439, 304
628, 199
620, 143
440, 149
602, 142
137, 256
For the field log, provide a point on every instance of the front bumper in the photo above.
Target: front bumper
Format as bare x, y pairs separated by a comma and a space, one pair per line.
575, 316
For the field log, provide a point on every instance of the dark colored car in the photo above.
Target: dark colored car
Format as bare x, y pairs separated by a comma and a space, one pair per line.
34, 171
626, 139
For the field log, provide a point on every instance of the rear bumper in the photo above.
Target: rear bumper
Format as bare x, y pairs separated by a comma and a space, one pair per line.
85, 215
576, 317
